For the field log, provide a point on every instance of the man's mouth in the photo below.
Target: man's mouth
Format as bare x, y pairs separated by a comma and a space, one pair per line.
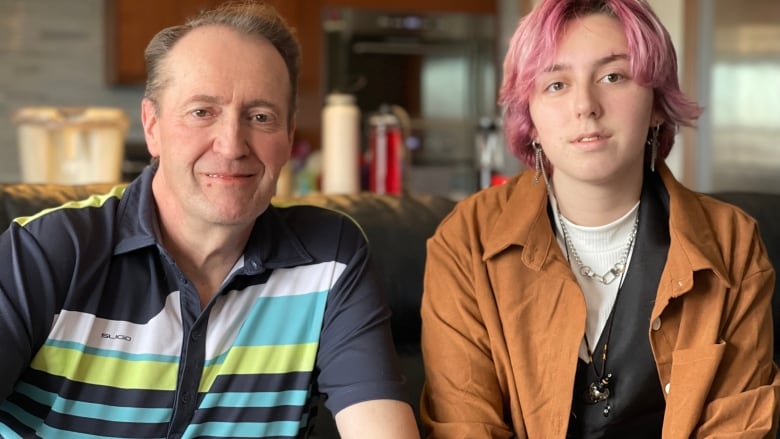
227, 175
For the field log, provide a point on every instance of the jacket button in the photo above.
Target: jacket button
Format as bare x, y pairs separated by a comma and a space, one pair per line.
656, 324
666, 388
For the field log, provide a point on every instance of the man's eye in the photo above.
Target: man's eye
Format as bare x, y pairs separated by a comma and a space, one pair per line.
260, 117
200, 113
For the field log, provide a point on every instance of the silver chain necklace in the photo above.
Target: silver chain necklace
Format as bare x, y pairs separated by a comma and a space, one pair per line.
585, 270
601, 389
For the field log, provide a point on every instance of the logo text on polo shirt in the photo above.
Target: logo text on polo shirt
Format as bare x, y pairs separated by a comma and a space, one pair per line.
115, 336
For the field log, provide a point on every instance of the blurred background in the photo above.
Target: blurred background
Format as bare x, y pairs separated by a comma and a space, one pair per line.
437, 64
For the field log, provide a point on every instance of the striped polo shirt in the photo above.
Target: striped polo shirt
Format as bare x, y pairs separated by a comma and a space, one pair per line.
104, 336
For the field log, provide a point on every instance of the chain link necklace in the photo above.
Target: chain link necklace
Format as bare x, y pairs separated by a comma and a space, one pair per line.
613, 273
599, 390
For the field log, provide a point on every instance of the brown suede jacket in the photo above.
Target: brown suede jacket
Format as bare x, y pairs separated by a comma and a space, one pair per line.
503, 318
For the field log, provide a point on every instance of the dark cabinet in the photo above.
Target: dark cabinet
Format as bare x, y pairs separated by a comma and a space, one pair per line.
130, 24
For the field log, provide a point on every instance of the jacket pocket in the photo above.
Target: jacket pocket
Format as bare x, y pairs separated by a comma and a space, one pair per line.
693, 371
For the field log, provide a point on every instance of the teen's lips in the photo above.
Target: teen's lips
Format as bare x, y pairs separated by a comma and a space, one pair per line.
591, 137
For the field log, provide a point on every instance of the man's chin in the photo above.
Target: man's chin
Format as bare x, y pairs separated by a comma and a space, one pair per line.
241, 217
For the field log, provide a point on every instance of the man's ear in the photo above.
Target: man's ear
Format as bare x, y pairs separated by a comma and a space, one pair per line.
149, 118
291, 130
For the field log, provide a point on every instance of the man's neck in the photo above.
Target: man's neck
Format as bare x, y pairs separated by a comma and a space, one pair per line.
205, 253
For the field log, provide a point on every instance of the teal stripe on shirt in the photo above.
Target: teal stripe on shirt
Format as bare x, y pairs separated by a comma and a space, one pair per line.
93, 410
244, 429
300, 315
7, 433
111, 353
255, 399
40, 428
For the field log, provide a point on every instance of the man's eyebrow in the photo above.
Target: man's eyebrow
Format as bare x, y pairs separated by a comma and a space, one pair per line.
205, 98
599, 62
209, 99
261, 103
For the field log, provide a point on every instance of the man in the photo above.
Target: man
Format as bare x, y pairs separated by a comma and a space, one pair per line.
184, 305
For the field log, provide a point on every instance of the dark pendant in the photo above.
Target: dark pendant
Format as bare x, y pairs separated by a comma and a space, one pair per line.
598, 390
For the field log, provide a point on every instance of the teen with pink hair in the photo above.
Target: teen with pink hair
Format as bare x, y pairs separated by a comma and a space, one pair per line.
594, 295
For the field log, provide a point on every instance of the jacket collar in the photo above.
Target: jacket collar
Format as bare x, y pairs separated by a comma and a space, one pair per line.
694, 241
523, 221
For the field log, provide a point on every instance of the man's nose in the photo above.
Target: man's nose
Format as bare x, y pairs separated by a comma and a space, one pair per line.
231, 138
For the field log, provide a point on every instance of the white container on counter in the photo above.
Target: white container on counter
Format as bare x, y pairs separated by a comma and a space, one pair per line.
71, 145
340, 145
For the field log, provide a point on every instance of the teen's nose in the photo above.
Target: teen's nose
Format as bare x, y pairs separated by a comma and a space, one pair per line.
586, 102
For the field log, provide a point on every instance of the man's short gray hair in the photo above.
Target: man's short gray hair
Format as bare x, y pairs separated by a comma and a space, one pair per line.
245, 17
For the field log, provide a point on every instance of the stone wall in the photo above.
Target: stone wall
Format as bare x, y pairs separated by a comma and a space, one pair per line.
52, 53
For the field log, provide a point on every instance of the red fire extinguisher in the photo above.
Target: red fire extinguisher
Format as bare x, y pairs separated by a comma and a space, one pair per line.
386, 151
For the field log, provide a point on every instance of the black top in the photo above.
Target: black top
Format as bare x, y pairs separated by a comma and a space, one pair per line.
635, 407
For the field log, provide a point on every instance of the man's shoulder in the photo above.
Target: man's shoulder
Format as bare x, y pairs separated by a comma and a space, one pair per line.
85, 212
326, 233
323, 218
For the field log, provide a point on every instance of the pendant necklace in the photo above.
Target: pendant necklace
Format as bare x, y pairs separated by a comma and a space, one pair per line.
600, 389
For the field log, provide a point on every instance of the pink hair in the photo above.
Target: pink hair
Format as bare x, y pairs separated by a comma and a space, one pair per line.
651, 53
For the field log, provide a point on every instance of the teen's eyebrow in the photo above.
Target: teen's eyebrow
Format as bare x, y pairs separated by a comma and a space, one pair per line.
598, 63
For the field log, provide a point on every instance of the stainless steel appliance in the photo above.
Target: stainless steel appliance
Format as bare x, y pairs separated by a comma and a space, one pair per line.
440, 68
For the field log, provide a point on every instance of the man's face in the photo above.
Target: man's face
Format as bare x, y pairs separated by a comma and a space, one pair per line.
220, 127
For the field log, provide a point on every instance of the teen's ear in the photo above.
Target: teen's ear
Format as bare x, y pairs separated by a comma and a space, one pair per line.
657, 118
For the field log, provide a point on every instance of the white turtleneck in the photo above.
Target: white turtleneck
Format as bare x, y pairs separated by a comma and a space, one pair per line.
599, 248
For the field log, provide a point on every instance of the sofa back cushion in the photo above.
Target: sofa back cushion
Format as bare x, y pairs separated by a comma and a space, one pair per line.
397, 228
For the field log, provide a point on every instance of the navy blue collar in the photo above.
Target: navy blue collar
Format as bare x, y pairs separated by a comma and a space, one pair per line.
272, 244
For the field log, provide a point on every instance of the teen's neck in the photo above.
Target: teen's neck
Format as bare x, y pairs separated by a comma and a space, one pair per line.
595, 204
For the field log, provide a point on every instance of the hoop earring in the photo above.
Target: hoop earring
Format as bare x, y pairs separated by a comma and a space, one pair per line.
654, 146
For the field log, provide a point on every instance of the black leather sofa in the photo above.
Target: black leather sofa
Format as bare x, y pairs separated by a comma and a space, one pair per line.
397, 228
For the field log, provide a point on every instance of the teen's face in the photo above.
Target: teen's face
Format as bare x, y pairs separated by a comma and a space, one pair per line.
589, 115
221, 128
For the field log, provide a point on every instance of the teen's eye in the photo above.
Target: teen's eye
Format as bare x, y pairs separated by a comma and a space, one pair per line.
613, 77
555, 86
